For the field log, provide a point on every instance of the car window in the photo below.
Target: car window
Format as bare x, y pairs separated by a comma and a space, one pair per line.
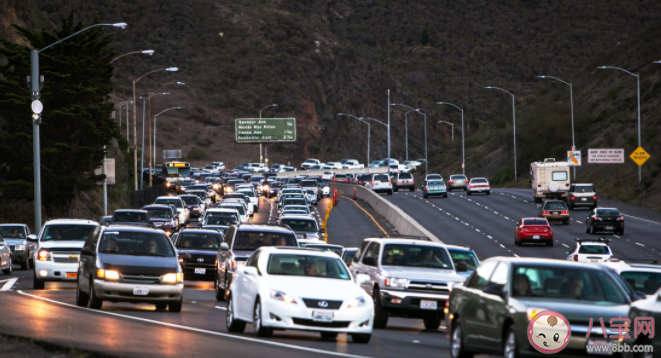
248, 193
238, 207
252, 240
381, 177
566, 283
373, 252
160, 213
467, 257
220, 220
416, 256
254, 259
307, 265
458, 177
435, 182
405, 176
594, 249
535, 222
500, 275
13, 232
646, 282
360, 251
433, 176
175, 202
67, 232
136, 244
555, 205
199, 241
584, 189
334, 249
190, 200
300, 225
482, 274
559, 176
607, 212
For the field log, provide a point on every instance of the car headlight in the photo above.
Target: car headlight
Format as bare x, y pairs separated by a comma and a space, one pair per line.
396, 282
357, 302
216, 186
533, 311
44, 255
167, 184
281, 296
173, 278
158, 224
19, 247
107, 274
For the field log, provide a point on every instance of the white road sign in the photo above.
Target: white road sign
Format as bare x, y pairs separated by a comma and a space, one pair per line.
606, 156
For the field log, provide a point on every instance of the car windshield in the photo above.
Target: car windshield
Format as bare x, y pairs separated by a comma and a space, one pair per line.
323, 184
293, 181
130, 217
381, 177
12, 232
348, 256
594, 249
252, 240
555, 205
160, 213
276, 184
307, 265
256, 179
294, 202
334, 249
416, 256
199, 187
565, 283
136, 243
199, 241
434, 182
535, 222
190, 200
647, 282
584, 189
64, 232
224, 220
200, 194
608, 212
467, 257
239, 207
294, 212
300, 224
235, 182
309, 192
297, 207
340, 176
176, 202
186, 182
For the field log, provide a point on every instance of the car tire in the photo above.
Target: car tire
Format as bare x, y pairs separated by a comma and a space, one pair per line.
457, 349
361, 338
175, 307
232, 324
432, 323
488, 192
587, 229
468, 192
37, 284
449, 189
567, 221
328, 335
30, 264
161, 306
622, 232
550, 243
424, 195
390, 192
570, 206
510, 349
25, 265
259, 329
516, 242
380, 313
395, 189
95, 302
257, 210
412, 188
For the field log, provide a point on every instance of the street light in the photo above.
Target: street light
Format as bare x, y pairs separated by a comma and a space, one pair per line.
452, 128
640, 173
261, 157
146, 52
463, 147
571, 103
142, 159
168, 83
411, 109
135, 130
513, 121
35, 82
368, 136
384, 124
169, 109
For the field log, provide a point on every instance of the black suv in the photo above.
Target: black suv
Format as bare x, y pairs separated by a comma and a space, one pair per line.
197, 250
581, 195
130, 218
240, 242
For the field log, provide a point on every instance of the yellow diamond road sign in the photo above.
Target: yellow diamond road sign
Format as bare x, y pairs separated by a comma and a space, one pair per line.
639, 156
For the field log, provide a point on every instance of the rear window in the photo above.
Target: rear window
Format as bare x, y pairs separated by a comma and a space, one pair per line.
607, 212
555, 205
381, 177
256, 179
239, 208
458, 177
249, 193
160, 213
309, 183
584, 189
224, 220
190, 200
535, 222
594, 249
176, 202
479, 181
405, 176
67, 232
130, 217
253, 240
340, 176
199, 241
294, 202
435, 182
559, 176
647, 282
467, 257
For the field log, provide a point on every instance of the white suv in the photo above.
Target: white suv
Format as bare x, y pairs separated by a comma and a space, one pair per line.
58, 250
381, 183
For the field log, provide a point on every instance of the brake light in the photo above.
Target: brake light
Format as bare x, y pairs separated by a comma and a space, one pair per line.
565, 212
596, 218
397, 182
575, 257
389, 183
412, 181
572, 198
545, 212
426, 188
472, 186
546, 230
594, 197
451, 181
334, 179
621, 218
372, 182
486, 186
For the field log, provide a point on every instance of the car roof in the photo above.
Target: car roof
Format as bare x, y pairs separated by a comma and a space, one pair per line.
141, 211
537, 261
128, 228
533, 218
398, 240
70, 221
324, 245
168, 197
297, 217
267, 228
459, 247
297, 251
200, 230
608, 208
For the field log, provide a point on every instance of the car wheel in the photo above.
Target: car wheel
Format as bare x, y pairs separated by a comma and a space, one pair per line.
30, 264
412, 188
395, 189
550, 243
516, 242
232, 324
592, 231
424, 195
81, 297
390, 192
175, 306
328, 335
37, 284
361, 338
622, 232
587, 229
7, 271
570, 206
468, 192
95, 302
449, 189
260, 330
257, 210
432, 323
161, 306
380, 313
25, 265
510, 349
567, 221
445, 195
488, 192
457, 349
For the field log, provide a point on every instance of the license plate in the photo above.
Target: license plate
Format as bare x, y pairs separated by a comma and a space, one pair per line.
140, 291
600, 343
595, 260
609, 228
322, 316
200, 270
536, 237
555, 213
72, 274
584, 199
428, 305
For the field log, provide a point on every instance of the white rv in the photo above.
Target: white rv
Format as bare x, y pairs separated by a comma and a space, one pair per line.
550, 179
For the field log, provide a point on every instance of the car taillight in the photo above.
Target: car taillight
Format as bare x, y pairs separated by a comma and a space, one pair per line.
486, 186
545, 212
472, 186
427, 189
451, 181
594, 197
524, 229
621, 218
396, 181
546, 230
596, 218
412, 181
389, 183
372, 182
575, 257
334, 179
565, 212
572, 198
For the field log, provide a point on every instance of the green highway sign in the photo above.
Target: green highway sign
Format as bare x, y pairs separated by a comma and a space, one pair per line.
256, 130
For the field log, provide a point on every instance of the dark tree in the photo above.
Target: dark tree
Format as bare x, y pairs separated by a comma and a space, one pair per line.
76, 121
424, 39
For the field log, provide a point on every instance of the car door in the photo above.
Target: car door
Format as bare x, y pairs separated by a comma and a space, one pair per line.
495, 306
590, 218
250, 286
87, 264
474, 311
224, 256
372, 252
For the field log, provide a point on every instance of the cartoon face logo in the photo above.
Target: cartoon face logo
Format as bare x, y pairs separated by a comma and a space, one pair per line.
549, 332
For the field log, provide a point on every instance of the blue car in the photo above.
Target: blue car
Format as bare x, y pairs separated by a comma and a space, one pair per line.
434, 187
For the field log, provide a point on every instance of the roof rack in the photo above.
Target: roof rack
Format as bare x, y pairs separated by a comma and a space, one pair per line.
412, 237
601, 239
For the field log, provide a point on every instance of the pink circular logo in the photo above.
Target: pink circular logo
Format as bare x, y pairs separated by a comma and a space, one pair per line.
549, 332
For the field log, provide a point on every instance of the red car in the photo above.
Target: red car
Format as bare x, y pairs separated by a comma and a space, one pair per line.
535, 230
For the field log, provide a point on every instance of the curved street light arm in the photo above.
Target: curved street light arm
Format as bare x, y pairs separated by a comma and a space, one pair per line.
555, 78
450, 104
498, 88
616, 68
374, 119
122, 25
147, 52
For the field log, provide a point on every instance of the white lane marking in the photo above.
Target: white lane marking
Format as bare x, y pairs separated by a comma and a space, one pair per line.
9, 284
638, 243
515, 255
565, 245
579, 221
489, 236
193, 329
495, 212
635, 217
501, 245
221, 308
616, 236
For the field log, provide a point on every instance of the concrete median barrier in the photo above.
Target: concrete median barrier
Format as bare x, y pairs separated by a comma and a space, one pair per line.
403, 222
318, 173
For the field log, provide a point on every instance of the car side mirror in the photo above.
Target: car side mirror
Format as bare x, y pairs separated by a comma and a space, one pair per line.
371, 261
462, 267
641, 294
363, 279
494, 290
87, 251
224, 246
32, 238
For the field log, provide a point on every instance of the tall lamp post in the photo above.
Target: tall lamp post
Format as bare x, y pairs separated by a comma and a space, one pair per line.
384, 124
135, 130
153, 159
463, 147
451, 126
411, 109
640, 173
406, 131
368, 136
571, 104
35, 82
513, 121
261, 157
142, 159
155, 117
146, 52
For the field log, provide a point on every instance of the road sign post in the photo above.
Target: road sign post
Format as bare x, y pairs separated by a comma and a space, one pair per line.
262, 130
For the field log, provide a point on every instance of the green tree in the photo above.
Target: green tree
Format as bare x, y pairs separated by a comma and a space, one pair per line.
76, 123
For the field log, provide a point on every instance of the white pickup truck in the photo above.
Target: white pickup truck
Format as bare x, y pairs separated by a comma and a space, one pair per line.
310, 162
352, 164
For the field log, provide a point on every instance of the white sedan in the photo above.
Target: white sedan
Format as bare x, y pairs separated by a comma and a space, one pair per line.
310, 290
